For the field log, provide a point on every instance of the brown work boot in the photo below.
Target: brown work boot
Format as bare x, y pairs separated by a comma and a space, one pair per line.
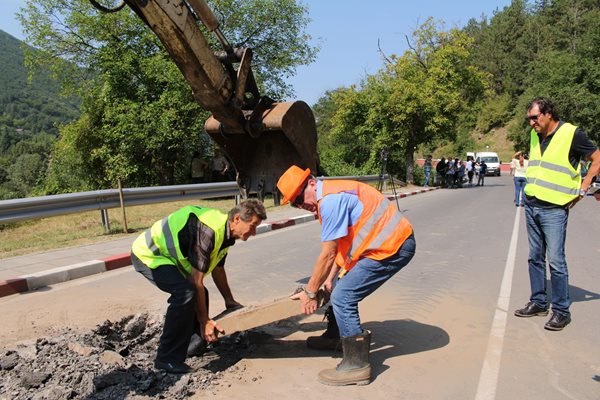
355, 368
330, 339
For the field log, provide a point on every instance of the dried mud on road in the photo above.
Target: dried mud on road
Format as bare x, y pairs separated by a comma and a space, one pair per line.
114, 361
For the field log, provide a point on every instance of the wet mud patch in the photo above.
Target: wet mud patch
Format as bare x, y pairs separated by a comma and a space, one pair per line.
115, 361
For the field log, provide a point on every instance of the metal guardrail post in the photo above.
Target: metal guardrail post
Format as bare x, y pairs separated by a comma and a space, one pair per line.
105, 220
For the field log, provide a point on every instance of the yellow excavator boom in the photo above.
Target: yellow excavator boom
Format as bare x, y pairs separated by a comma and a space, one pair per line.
260, 136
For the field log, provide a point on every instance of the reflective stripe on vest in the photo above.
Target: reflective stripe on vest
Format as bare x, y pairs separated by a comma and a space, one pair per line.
159, 245
380, 230
551, 177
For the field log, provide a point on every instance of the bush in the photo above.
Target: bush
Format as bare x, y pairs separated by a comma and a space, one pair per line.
419, 175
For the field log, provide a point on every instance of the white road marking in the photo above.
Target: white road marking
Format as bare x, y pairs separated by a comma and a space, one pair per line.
488, 380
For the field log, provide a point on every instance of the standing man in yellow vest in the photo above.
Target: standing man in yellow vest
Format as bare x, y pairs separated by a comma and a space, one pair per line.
175, 254
553, 187
365, 240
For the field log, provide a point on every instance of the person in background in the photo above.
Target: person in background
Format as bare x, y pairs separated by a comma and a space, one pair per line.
450, 172
553, 187
427, 170
220, 168
440, 170
198, 168
482, 172
460, 173
470, 170
175, 255
519, 167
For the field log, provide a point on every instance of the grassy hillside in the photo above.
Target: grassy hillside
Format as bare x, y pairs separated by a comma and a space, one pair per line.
496, 140
28, 108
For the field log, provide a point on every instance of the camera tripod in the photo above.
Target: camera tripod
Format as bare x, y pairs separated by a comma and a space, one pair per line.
383, 158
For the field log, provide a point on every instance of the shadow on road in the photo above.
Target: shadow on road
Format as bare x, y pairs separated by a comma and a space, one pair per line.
390, 339
579, 294
402, 337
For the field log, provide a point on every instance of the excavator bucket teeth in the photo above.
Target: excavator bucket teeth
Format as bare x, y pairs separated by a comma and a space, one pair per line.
288, 135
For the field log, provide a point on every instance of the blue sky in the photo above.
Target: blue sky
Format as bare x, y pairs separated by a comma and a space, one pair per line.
347, 32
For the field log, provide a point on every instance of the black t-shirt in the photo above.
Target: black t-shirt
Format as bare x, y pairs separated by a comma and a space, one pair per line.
441, 166
581, 148
197, 241
482, 168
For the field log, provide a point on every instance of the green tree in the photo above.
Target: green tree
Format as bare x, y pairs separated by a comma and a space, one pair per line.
139, 120
427, 90
23, 166
415, 100
566, 67
344, 134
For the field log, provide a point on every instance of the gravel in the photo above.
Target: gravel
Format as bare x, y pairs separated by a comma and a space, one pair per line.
114, 361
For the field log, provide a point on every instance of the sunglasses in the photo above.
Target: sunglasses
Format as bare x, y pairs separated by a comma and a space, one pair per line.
533, 117
299, 200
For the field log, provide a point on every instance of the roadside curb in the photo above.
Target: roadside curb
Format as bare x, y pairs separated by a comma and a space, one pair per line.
403, 195
34, 281
53, 276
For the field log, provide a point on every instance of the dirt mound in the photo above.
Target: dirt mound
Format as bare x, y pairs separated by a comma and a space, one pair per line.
113, 361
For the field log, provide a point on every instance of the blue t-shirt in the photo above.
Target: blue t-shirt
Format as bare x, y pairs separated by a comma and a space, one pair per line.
338, 212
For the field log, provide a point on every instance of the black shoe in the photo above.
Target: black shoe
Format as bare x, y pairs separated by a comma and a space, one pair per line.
197, 346
530, 310
172, 367
557, 322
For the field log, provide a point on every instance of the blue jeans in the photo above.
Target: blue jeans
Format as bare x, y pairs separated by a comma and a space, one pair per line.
519, 189
547, 231
362, 280
427, 175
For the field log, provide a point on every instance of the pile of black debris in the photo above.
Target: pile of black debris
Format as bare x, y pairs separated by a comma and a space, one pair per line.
113, 361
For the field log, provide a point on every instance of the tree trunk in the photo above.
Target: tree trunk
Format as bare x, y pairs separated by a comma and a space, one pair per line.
410, 159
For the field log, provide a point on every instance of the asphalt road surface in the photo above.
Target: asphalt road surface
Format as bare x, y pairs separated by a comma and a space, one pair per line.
443, 328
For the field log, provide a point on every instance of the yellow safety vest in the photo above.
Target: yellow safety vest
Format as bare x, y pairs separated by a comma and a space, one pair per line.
551, 177
159, 245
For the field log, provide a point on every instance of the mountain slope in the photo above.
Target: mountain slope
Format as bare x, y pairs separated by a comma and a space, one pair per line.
28, 108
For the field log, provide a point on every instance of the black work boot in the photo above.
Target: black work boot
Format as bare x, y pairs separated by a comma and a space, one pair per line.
355, 368
330, 339
197, 346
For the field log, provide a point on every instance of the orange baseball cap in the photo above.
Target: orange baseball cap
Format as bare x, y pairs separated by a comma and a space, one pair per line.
290, 183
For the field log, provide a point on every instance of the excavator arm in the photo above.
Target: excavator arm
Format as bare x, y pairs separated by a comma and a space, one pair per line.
260, 136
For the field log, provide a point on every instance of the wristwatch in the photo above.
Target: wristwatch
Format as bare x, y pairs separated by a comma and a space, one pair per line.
582, 192
309, 294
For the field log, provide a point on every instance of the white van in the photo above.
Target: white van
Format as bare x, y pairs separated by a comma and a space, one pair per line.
492, 161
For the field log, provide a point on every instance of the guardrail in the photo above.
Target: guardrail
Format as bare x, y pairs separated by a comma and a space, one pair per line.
48, 206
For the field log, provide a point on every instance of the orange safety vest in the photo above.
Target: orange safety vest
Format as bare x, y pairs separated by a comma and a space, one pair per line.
380, 230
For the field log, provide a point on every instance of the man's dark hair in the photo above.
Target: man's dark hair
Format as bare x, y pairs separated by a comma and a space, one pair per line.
545, 106
248, 209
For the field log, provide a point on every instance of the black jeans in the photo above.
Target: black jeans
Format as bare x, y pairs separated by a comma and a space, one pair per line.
181, 318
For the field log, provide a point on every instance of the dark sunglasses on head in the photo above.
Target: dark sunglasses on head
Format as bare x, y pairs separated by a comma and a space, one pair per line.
533, 117
299, 200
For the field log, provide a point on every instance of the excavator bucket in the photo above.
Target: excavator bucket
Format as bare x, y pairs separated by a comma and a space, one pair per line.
287, 135
261, 137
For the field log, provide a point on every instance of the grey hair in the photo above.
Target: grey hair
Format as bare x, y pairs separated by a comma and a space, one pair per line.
248, 209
